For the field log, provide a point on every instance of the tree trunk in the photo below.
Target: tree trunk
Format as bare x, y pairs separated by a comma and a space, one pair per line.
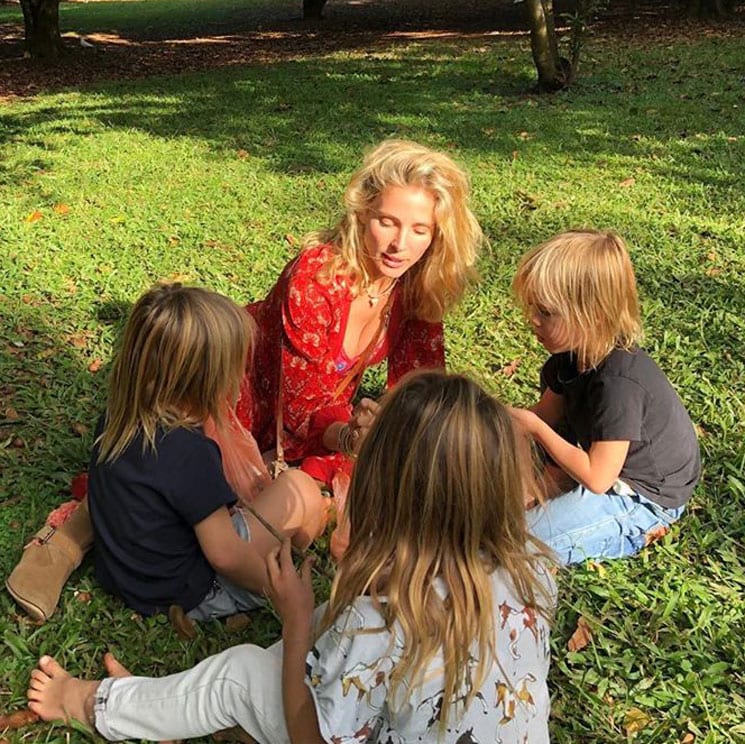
544, 45
313, 9
41, 21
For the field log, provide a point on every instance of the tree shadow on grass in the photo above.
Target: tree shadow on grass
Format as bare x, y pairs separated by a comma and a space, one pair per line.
50, 400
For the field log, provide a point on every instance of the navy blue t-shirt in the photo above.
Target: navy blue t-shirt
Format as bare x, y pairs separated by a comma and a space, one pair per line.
628, 398
144, 506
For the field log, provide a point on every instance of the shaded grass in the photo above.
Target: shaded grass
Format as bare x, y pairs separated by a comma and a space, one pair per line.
162, 19
201, 178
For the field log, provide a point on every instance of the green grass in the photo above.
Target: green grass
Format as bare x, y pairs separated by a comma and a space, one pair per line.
202, 176
163, 19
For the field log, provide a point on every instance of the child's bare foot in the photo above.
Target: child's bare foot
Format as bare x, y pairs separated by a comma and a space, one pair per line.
114, 668
55, 695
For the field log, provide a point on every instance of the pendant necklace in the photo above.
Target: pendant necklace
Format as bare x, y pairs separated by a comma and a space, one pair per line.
374, 299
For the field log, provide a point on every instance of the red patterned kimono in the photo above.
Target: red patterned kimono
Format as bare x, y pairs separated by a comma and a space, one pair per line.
305, 320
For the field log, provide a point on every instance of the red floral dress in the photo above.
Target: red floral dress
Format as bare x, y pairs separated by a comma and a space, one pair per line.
303, 320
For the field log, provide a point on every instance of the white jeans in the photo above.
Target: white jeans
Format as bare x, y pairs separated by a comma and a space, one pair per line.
242, 686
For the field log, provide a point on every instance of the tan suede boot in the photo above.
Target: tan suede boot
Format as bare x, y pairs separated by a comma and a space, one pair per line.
47, 562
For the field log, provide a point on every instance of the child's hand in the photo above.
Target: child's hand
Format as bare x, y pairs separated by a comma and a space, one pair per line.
291, 592
524, 418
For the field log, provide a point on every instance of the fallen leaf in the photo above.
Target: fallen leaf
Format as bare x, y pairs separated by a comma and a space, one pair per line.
61, 209
688, 738
18, 719
11, 414
35, 216
78, 340
182, 624
242, 154
95, 365
80, 429
239, 621
83, 597
635, 720
525, 135
581, 636
630, 181
599, 568
291, 239
656, 534
510, 368
515, 154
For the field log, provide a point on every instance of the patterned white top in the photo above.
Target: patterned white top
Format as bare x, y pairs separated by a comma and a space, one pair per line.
347, 673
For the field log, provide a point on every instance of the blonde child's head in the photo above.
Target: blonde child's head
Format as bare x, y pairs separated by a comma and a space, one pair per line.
438, 493
181, 361
585, 279
440, 278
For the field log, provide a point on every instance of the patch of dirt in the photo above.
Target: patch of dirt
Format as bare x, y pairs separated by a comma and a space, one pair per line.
355, 25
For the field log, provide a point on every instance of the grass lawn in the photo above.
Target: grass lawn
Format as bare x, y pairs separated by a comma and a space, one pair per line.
202, 177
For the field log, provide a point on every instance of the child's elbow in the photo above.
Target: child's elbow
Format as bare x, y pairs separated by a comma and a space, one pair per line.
223, 560
600, 484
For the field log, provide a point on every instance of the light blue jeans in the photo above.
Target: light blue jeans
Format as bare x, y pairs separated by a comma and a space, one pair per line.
224, 597
581, 524
239, 687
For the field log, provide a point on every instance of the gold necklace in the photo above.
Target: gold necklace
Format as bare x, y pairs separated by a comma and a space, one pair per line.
374, 299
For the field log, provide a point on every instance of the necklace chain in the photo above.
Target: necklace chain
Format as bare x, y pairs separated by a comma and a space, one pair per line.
373, 299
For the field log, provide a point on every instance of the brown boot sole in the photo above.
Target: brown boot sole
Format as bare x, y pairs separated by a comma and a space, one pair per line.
34, 611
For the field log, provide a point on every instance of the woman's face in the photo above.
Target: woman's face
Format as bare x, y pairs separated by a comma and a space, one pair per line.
398, 229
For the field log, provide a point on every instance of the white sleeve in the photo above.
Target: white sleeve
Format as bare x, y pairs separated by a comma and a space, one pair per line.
347, 673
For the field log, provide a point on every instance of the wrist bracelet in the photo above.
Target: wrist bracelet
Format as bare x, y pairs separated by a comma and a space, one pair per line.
345, 441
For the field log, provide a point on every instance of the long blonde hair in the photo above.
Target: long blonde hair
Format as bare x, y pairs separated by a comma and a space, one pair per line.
438, 493
181, 361
586, 278
439, 279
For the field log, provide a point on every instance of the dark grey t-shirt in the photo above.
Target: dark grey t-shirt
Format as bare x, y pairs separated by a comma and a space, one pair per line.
628, 398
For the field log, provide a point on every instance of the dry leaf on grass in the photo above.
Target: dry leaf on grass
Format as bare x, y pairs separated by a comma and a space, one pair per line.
688, 738
627, 182
35, 216
581, 636
18, 719
510, 368
61, 209
95, 365
635, 720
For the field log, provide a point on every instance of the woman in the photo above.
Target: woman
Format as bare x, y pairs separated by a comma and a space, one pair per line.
375, 287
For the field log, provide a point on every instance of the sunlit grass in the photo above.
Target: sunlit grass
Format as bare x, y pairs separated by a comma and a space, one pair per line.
202, 177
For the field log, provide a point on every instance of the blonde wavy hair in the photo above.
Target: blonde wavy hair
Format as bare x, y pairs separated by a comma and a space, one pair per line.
437, 282
586, 278
438, 493
181, 361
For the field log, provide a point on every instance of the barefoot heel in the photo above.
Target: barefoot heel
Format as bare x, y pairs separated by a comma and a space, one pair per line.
47, 562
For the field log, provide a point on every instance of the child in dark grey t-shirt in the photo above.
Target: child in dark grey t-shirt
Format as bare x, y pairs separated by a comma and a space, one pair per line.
638, 458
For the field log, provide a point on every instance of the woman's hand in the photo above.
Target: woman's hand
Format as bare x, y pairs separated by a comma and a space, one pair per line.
363, 417
290, 591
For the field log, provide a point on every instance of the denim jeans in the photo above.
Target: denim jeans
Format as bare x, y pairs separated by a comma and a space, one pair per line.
581, 524
224, 597
239, 687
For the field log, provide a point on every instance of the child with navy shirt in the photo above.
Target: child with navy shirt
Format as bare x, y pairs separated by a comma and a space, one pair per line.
166, 530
